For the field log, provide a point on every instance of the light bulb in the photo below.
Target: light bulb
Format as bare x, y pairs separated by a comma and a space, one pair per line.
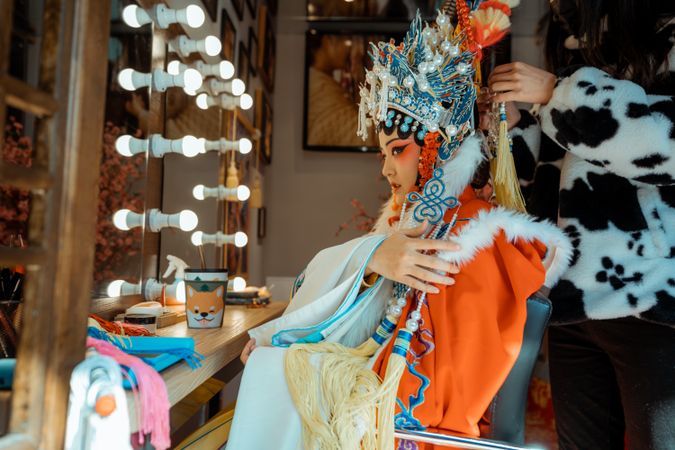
194, 16
245, 102
130, 79
238, 87
120, 219
115, 287
238, 284
226, 69
173, 68
196, 238
120, 287
191, 146
125, 219
240, 239
243, 193
245, 146
198, 192
127, 145
203, 101
192, 80
235, 87
212, 45
122, 145
135, 17
187, 220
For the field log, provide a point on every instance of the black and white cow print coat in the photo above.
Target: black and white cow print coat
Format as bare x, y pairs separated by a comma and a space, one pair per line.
600, 159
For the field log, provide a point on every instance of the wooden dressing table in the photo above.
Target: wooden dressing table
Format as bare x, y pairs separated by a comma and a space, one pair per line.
219, 346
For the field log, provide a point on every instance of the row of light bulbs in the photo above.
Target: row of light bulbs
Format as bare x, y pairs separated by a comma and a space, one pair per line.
152, 288
220, 90
157, 146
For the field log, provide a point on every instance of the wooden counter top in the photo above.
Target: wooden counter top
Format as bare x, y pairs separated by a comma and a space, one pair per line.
219, 346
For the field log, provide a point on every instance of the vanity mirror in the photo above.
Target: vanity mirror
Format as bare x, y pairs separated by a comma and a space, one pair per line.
122, 182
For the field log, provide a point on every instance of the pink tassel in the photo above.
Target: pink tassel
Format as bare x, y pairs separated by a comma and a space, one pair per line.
154, 400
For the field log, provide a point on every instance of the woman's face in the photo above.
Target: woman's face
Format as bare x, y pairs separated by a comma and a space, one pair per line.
400, 158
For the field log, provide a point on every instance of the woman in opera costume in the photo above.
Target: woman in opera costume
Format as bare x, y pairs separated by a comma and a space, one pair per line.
378, 334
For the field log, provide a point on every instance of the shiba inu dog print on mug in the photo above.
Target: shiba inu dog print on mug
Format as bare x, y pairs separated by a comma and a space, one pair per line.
205, 303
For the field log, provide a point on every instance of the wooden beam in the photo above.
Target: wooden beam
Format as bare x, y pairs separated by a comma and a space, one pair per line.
80, 89
25, 177
25, 97
10, 256
154, 172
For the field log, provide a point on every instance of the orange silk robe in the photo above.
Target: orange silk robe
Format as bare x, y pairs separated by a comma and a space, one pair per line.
471, 333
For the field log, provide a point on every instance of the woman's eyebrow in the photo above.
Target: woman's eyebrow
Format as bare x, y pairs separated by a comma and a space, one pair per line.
392, 140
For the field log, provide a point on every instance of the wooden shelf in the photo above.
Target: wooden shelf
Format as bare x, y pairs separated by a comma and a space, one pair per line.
219, 346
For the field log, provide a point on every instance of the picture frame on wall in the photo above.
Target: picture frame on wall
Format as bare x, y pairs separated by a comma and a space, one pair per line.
335, 64
252, 49
273, 6
243, 64
211, 7
264, 122
238, 6
266, 47
228, 36
251, 4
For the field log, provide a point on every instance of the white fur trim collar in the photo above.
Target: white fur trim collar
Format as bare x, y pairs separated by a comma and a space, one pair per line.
482, 230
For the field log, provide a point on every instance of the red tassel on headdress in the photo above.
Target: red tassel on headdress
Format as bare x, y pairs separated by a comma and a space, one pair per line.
428, 155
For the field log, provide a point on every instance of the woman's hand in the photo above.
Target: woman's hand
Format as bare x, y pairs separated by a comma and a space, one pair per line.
484, 102
248, 349
399, 258
520, 82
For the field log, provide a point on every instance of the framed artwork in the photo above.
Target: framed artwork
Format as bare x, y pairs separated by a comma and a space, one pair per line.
335, 66
251, 4
252, 49
211, 7
273, 5
264, 122
370, 10
238, 6
243, 64
266, 47
228, 36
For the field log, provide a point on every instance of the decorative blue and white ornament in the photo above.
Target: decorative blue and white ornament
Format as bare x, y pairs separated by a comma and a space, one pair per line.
431, 204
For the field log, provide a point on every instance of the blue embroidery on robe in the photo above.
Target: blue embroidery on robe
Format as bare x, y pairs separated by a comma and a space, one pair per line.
406, 418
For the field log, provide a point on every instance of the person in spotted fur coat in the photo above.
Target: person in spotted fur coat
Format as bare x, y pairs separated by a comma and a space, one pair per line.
597, 155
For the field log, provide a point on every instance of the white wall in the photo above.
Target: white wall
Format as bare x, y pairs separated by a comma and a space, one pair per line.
307, 194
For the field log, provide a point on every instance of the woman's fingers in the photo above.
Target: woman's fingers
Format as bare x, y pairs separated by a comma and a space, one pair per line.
512, 96
434, 244
248, 349
428, 276
506, 86
419, 285
436, 263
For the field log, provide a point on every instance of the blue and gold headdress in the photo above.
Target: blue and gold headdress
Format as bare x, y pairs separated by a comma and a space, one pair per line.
427, 84
428, 77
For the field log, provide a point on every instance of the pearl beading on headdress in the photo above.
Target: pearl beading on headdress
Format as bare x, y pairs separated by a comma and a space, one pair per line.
428, 78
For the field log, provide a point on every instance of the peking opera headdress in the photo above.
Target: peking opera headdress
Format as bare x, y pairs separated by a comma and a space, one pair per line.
427, 85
